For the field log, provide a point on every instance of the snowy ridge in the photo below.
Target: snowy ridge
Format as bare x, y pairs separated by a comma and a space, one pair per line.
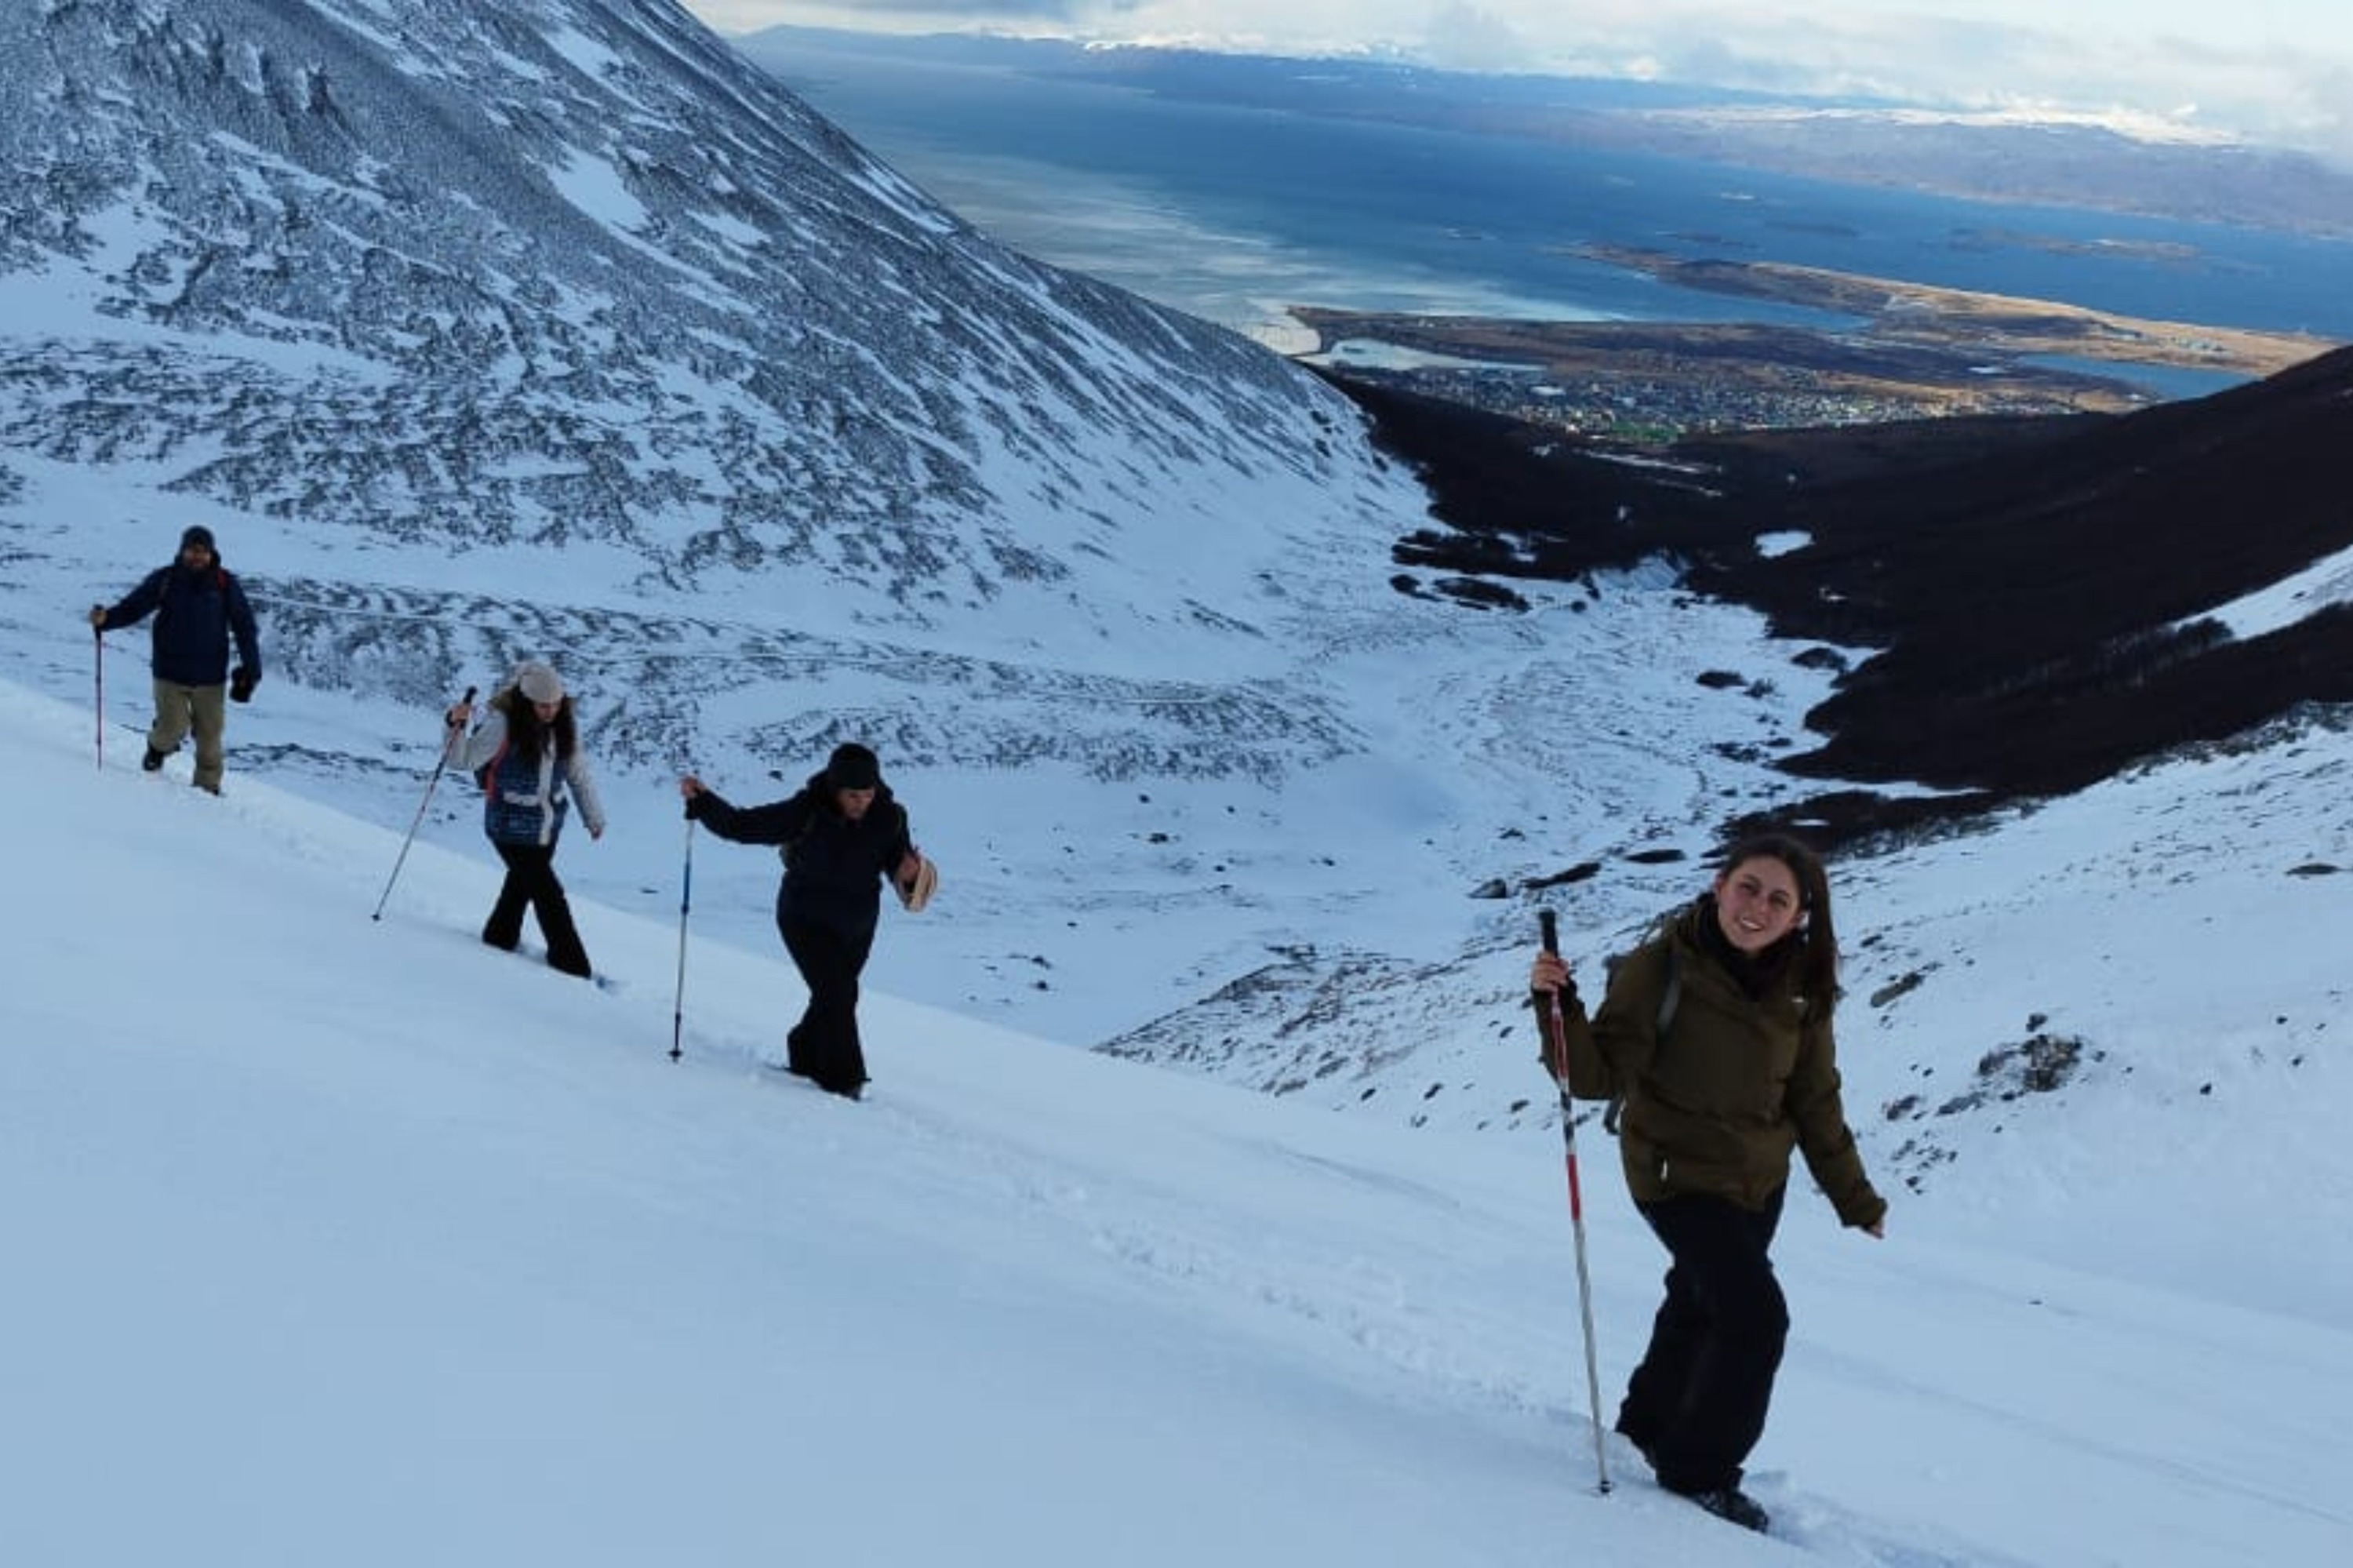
444, 1248
906, 698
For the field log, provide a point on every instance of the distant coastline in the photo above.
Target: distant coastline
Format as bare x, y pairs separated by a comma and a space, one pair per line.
1496, 261
1897, 313
1906, 352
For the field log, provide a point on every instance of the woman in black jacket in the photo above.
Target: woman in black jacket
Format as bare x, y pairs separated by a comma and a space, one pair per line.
840, 836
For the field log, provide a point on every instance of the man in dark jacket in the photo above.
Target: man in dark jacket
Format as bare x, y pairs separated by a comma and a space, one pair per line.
841, 834
199, 607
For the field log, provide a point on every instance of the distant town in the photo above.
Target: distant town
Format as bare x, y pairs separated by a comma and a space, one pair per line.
1913, 352
1649, 394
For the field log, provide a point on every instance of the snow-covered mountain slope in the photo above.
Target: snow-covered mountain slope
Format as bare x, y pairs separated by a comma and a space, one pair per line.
421, 297
344, 1241
553, 327
556, 328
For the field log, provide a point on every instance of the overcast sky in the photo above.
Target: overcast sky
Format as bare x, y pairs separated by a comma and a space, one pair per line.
2276, 70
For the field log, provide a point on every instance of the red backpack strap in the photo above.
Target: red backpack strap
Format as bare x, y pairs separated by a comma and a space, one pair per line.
489, 771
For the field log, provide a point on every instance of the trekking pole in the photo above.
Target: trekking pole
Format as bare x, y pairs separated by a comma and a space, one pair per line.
97, 668
685, 901
466, 701
1556, 1027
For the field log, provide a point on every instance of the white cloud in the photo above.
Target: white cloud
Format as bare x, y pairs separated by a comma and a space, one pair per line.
2271, 73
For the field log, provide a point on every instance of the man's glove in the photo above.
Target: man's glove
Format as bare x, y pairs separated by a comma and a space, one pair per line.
241, 682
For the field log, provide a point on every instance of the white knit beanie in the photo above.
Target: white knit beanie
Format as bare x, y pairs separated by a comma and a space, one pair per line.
538, 683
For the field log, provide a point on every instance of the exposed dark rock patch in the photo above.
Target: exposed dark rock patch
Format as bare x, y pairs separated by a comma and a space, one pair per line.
2042, 1063
1578, 872
2040, 589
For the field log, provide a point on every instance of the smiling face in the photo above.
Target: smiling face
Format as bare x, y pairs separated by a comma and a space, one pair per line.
1757, 903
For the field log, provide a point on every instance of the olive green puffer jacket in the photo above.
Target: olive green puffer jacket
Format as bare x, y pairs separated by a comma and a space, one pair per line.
1738, 1081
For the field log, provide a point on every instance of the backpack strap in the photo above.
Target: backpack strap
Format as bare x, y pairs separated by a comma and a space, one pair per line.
1670, 998
488, 773
785, 846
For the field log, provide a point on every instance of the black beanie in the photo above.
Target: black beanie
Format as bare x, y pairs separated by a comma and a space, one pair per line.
199, 535
852, 767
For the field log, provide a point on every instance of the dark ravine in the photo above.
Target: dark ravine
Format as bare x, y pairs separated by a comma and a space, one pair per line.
2038, 589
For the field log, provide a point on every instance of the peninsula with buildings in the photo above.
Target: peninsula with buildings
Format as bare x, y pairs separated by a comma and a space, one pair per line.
1888, 350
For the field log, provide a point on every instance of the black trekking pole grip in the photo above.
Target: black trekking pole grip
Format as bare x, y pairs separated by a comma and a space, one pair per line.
1548, 923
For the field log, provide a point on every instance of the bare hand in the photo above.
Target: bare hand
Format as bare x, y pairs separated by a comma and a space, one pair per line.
689, 786
1549, 973
459, 715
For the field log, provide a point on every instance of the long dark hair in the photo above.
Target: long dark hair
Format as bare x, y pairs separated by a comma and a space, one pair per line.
1817, 954
526, 737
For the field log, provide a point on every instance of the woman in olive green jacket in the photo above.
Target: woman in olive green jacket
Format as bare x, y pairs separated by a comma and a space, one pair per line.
1744, 1071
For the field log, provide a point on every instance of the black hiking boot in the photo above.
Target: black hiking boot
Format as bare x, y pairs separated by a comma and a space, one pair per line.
1733, 1506
152, 760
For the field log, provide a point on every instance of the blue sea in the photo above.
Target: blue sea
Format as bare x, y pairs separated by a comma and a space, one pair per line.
1236, 213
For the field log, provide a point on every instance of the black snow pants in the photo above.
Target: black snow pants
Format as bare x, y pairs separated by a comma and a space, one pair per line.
824, 1045
1696, 1405
530, 883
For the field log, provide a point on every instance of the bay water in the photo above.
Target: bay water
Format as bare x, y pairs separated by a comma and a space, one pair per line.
1237, 214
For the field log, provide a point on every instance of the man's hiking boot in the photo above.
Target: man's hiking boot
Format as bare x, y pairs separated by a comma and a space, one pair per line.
152, 760
1733, 1506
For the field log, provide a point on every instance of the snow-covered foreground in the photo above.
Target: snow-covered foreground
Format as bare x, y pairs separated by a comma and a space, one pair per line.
339, 1241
